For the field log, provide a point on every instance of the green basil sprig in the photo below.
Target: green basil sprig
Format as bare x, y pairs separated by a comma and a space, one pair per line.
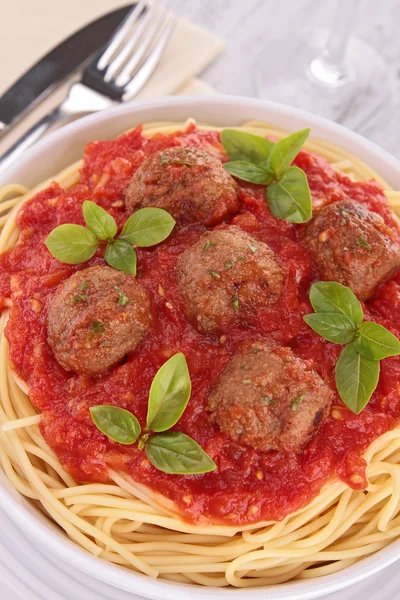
177, 453
258, 160
376, 342
338, 318
74, 244
147, 227
243, 146
120, 255
333, 297
335, 327
169, 394
356, 378
171, 452
289, 198
247, 171
117, 423
285, 151
99, 221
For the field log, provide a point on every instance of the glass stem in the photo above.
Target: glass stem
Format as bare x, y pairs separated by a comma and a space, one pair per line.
329, 67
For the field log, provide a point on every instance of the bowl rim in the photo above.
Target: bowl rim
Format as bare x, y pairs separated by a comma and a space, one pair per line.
347, 136
55, 541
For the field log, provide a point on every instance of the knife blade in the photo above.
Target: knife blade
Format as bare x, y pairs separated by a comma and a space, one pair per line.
52, 69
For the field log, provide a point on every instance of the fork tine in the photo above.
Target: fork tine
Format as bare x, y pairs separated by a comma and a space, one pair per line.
121, 34
140, 78
140, 52
126, 49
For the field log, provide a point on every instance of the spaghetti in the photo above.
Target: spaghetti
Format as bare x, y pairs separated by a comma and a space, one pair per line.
122, 523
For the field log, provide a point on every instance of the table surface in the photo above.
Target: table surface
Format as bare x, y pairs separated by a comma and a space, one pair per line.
31, 28
247, 27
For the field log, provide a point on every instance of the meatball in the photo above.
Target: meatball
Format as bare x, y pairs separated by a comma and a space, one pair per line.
226, 276
96, 317
188, 183
353, 246
269, 399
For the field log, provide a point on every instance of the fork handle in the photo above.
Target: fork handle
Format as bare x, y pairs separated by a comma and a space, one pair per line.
30, 138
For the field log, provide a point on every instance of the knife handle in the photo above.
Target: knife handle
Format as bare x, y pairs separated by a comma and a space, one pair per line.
30, 138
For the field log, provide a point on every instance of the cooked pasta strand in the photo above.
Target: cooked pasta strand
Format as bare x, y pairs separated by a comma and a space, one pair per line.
119, 522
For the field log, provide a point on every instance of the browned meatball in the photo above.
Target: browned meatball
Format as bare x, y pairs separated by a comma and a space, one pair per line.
353, 246
225, 276
188, 183
269, 399
96, 317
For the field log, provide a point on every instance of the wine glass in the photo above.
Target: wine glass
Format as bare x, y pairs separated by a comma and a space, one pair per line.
327, 72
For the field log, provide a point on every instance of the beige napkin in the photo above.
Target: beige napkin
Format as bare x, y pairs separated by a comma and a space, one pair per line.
189, 51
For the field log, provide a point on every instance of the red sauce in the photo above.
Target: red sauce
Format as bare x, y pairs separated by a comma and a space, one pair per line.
247, 485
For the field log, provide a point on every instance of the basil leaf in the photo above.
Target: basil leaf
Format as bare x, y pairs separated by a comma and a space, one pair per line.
117, 423
120, 255
285, 151
99, 221
177, 453
376, 342
240, 145
330, 296
169, 394
335, 327
72, 244
356, 378
249, 172
290, 198
147, 227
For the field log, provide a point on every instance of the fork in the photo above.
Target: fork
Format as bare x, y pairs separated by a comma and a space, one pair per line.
116, 75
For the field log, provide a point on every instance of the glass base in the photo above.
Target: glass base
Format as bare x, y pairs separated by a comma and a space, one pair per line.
301, 77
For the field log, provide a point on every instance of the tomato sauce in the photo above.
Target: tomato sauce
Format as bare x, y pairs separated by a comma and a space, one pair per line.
247, 485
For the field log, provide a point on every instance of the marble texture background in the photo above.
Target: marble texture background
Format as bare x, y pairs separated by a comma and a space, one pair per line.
29, 28
248, 26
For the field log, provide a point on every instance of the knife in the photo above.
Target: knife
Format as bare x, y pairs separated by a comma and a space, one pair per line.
50, 71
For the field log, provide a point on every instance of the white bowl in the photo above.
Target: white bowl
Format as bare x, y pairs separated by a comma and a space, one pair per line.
64, 147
